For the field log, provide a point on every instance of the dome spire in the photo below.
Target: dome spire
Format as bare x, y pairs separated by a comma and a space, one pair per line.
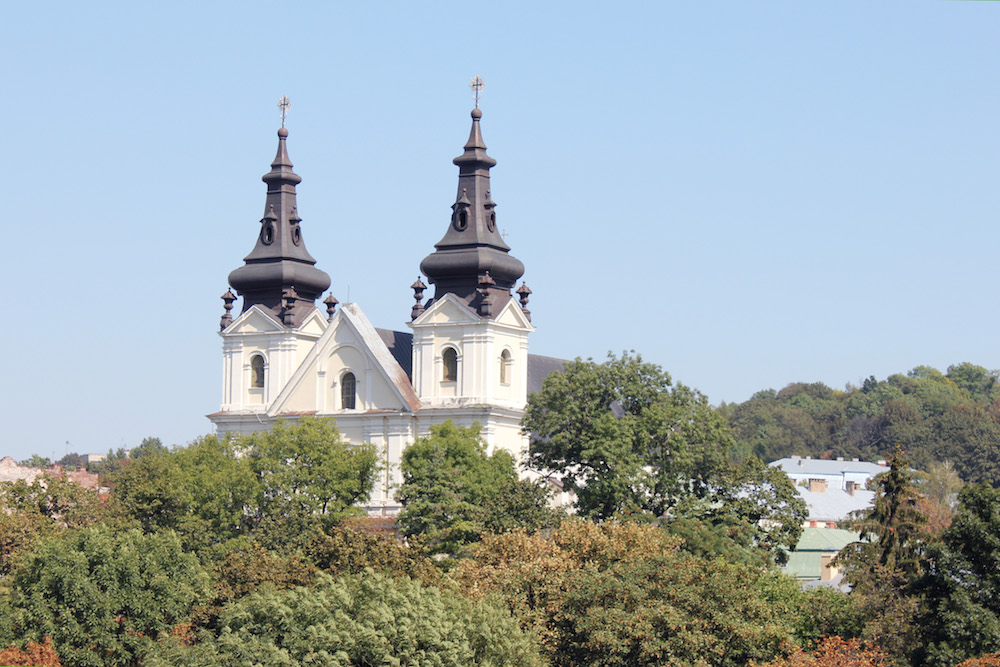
279, 273
472, 261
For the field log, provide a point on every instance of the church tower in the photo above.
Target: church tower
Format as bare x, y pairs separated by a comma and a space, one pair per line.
279, 283
470, 340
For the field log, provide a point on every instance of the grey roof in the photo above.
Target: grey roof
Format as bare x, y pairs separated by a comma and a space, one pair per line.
539, 368
798, 465
834, 504
400, 344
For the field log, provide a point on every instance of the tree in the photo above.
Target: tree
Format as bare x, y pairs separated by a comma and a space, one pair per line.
345, 550
104, 595
36, 461
752, 512
622, 438
453, 492
72, 460
206, 491
834, 652
624, 594
363, 619
981, 384
961, 586
309, 467
884, 565
33, 654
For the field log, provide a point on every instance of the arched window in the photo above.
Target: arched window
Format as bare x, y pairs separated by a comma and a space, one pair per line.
256, 371
505, 367
348, 390
449, 359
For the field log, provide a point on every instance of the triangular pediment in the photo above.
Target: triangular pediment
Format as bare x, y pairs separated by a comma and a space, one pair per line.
511, 315
314, 324
349, 335
260, 320
447, 310
255, 320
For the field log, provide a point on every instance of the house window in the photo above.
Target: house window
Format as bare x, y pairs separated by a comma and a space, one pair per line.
348, 390
257, 371
505, 367
449, 360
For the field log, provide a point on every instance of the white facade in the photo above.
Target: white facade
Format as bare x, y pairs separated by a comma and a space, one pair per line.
305, 371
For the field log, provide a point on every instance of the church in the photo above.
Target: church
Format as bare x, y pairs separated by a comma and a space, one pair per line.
464, 358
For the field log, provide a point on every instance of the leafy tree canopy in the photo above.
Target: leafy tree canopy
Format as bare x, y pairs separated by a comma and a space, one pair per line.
363, 619
961, 587
309, 467
453, 492
624, 594
104, 595
37, 461
623, 438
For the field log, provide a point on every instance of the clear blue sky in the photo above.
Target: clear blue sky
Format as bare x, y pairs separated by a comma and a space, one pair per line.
749, 194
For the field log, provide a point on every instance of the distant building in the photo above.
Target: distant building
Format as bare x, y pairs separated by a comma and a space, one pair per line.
832, 489
811, 560
10, 471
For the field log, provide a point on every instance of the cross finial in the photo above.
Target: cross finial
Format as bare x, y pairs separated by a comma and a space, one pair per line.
477, 86
284, 104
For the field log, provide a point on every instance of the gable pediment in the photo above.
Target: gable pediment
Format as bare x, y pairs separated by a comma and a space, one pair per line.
259, 320
349, 343
512, 316
255, 320
446, 310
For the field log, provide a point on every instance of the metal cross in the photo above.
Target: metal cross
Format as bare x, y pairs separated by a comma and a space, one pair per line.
477, 86
284, 104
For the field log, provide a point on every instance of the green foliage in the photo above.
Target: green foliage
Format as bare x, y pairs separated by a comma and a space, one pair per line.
826, 612
452, 492
207, 491
48, 506
309, 467
892, 529
247, 567
72, 460
933, 416
752, 513
363, 619
64, 502
799, 419
883, 567
981, 384
346, 550
961, 588
37, 461
623, 594
518, 504
104, 595
622, 438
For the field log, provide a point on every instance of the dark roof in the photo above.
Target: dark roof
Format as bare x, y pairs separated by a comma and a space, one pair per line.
279, 274
400, 344
539, 368
472, 261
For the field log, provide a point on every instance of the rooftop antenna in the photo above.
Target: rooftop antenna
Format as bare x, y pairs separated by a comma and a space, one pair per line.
284, 104
477, 86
